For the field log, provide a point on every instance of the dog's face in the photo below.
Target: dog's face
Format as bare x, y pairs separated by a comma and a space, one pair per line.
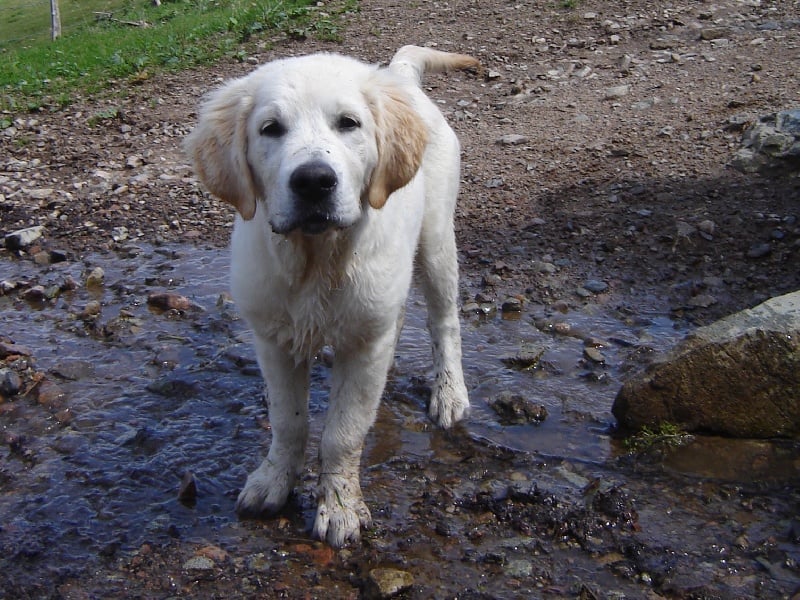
311, 141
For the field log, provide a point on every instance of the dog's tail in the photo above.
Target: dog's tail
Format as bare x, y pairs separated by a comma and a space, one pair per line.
415, 61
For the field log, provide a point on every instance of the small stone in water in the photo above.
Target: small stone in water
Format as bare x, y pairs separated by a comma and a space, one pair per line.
513, 409
594, 355
387, 583
188, 490
95, 277
169, 301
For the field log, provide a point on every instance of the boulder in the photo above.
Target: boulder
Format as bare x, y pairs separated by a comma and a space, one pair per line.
739, 376
771, 146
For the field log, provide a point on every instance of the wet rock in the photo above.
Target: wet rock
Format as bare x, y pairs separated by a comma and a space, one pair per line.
8, 349
23, 238
386, 583
10, 382
594, 355
513, 409
36, 293
511, 305
187, 493
199, 563
169, 301
739, 376
527, 357
95, 277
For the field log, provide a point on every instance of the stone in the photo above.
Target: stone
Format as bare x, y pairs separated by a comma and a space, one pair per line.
513, 409
95, 277
616, 92
187, 492
168, 301
22, 238
198, 563
771, 145
386, 583
739, 376
512, 139
595, 286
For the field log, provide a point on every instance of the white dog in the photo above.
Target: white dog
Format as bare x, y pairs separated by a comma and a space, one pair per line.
341, 173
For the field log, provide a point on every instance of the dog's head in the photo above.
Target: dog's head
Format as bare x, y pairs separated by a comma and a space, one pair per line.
313, 141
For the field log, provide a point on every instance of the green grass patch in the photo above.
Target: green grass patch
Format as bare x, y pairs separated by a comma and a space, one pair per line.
114, 41
666, 435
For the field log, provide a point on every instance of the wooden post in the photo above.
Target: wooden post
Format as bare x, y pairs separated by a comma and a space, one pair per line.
55, 20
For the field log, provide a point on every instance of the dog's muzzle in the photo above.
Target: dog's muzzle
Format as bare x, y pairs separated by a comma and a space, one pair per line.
312, 184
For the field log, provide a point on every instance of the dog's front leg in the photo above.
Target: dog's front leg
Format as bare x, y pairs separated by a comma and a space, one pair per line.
358, 379
269, 486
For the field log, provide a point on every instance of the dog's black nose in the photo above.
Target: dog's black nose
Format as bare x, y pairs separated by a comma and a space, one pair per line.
313, 180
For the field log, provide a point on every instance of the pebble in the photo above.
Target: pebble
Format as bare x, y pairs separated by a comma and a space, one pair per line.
198, 563
22, 238
594, 355
10, 382
95, 277
616, 92
595, 286
187, 493
512, 139
511, 305
168, 301
514, 409
386, 583
759, 250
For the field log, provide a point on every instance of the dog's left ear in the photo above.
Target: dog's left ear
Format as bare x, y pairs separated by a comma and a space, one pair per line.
401, 138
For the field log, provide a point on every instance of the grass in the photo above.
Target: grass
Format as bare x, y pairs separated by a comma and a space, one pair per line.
666, 435
135, 39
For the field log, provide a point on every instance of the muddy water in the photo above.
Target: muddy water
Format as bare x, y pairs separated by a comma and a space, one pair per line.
134, 398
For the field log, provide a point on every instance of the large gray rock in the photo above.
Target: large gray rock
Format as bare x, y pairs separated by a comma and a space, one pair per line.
739, 376
771, 146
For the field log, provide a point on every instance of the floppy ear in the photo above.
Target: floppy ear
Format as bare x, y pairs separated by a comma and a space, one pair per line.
218, 147
401, 138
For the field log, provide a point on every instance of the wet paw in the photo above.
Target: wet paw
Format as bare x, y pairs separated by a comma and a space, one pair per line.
265, 492
449, 404
341, 512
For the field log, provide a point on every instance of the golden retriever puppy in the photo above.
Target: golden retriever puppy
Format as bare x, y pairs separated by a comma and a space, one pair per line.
341, 173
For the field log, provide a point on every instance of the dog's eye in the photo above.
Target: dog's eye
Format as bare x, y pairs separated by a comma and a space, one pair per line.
273, 129
348, 123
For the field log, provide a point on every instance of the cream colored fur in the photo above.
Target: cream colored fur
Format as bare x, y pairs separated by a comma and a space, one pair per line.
342, 173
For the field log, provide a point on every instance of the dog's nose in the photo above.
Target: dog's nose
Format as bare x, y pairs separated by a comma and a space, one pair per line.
313, 180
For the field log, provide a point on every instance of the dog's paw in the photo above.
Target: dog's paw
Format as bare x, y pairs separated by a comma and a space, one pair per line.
449, 404
266, 491
341, 512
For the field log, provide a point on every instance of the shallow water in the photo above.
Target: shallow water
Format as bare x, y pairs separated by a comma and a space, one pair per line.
144, 396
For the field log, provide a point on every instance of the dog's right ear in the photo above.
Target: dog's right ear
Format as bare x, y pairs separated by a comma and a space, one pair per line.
218, 147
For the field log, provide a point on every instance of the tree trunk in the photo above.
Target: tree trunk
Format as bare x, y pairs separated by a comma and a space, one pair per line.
55, 20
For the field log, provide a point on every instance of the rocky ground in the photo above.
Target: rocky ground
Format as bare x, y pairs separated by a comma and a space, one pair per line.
597, 144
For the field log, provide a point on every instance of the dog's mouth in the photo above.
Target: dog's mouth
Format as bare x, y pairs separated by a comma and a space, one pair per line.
318, 223
314, 223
